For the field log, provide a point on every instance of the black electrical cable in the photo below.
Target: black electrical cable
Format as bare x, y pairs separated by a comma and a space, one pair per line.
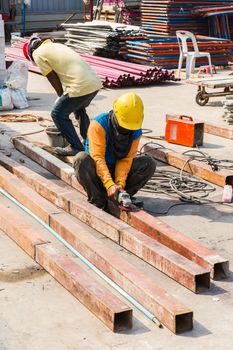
216, 164
184, 187
209, 202
168, 209
148, 131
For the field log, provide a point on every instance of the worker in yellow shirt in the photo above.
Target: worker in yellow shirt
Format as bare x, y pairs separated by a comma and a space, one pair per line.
74, 81
110, 164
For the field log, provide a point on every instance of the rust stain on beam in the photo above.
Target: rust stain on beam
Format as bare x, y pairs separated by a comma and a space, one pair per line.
115, 314
164, 306
19, 231
182, 270
183, 245
25, 195
194, 167
100, 301
217, 130
164, 259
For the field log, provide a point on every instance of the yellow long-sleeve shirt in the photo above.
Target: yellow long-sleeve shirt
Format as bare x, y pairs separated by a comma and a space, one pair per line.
76, 76
97, 147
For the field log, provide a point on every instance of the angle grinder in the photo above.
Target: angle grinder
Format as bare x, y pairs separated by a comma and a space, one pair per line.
125, 203
123, 198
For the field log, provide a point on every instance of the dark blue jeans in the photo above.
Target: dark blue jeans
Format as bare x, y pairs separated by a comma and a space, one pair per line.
60, 114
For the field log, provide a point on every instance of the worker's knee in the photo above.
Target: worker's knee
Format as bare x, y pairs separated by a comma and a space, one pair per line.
150, 164
83, 165
145, 164
58, 113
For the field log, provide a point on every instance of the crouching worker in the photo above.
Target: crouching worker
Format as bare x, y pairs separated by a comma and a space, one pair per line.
110, 164
74, 81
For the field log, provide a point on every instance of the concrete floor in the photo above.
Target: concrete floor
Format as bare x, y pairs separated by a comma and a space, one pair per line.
36, 312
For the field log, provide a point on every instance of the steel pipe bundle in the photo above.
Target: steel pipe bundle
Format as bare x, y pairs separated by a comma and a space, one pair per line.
113, 73
117, 74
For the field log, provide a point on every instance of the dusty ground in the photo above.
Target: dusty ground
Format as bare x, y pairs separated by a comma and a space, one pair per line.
36, 312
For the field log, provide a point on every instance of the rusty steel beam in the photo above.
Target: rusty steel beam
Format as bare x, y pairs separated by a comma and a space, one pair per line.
115, 314
175, 240
164, 259
218, 130
142, 221
170, 312
25, 195
19, 231
194, 167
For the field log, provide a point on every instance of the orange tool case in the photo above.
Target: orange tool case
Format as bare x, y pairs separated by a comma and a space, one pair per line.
182, 130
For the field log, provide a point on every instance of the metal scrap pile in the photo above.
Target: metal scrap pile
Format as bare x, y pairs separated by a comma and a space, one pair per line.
164, 51
100, 39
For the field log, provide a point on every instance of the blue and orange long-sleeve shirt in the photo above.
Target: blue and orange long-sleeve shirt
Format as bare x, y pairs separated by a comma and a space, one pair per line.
98, 148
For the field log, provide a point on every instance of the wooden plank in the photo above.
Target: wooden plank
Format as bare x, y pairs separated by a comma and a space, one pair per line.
164, 259
114, 313
147, 224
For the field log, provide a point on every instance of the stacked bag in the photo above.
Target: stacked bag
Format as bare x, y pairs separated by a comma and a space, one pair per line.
13, 81
2, 53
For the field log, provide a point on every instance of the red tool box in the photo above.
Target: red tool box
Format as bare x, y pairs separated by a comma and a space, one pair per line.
182, 130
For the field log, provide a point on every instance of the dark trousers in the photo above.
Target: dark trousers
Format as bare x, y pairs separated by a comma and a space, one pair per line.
60, 114
142, 169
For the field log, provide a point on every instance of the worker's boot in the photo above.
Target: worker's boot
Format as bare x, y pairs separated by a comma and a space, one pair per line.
66, 151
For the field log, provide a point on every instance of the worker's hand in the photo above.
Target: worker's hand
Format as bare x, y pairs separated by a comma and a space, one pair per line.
113, 191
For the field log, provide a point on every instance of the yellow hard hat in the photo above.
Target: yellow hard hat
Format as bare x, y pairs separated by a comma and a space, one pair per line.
128, 109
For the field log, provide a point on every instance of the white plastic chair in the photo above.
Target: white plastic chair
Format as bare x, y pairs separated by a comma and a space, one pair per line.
183, 37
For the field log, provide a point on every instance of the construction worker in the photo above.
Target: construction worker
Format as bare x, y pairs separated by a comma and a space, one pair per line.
110, 164
73, 80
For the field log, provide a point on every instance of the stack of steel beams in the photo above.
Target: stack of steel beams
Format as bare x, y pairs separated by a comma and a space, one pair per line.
220, 19
164, 51
164, 17
100, 39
